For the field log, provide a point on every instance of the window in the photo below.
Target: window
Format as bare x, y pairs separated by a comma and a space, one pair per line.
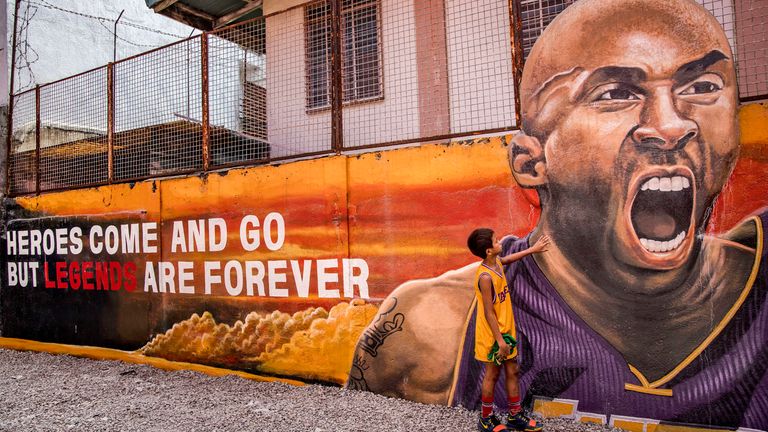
536, 16
361, 56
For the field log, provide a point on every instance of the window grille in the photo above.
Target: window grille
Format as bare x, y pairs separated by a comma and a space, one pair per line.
361, 56
536, 16
215, 101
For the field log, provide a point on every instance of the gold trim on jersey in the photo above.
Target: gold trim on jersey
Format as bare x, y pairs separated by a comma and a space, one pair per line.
498, 262
652, 387
648, 390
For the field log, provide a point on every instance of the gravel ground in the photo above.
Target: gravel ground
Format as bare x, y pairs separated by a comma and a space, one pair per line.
43, 392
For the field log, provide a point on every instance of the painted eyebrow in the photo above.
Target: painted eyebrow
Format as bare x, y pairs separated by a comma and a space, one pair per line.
628, 75
692, 70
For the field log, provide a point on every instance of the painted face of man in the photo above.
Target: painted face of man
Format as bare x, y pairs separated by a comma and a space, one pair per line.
639, 134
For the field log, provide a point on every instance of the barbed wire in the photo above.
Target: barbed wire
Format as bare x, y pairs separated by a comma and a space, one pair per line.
140, 45
26, 55
25, 50
127, 21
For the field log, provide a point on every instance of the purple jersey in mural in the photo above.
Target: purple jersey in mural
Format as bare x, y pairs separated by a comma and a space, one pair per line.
561, 356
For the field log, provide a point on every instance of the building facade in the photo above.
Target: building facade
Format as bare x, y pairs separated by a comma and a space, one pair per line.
299, 180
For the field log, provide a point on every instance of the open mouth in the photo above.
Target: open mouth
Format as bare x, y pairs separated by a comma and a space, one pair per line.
662, 211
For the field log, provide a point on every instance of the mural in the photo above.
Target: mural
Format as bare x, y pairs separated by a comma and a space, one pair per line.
637, 309
649, 306
142, 266
204, 270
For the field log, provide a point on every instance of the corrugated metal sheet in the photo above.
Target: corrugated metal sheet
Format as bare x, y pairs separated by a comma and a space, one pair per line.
216, 8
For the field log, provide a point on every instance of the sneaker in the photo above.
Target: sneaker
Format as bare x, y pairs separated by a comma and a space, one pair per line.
491, 424
522, 422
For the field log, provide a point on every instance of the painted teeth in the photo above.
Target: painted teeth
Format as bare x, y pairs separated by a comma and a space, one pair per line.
666, 184
657, 246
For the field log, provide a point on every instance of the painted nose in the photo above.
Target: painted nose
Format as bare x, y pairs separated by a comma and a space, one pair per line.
662, 126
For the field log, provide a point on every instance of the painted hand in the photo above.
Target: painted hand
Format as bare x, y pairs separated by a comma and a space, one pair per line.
541, 244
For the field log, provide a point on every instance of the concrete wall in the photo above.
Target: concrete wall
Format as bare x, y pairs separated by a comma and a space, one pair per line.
479, 79
273, 6
294, 129
291, 129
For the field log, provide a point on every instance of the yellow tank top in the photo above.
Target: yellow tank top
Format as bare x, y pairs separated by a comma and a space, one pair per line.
502, 305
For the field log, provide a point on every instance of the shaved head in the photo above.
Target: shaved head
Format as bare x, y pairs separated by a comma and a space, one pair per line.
616, 96
592, 33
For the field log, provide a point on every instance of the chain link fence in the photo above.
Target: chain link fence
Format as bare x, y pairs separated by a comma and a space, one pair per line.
744, 21
751, 22
318, 78
22, 161
157, 105
73, 131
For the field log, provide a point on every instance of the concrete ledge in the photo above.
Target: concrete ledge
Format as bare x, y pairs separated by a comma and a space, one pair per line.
135, 357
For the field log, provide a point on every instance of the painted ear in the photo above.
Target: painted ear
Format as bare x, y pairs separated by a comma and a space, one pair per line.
526, 159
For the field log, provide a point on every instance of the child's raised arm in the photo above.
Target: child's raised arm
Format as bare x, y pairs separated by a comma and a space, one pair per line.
540, 246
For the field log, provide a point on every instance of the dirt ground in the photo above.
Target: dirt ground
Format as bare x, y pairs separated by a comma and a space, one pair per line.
43, 392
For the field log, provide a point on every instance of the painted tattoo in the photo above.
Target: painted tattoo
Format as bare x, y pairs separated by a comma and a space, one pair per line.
374, 337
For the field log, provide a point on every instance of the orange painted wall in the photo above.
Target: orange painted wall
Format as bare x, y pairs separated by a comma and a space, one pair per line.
406, 212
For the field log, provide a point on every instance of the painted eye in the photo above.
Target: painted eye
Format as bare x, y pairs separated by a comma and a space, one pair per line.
701, 87
618, 94
706, 84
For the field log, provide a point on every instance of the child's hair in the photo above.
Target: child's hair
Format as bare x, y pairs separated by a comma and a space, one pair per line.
479, 241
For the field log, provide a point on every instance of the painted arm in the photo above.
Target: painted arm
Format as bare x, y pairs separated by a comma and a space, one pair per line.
540, 246
486, 292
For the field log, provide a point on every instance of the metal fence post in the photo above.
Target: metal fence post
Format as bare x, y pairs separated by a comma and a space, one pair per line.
8, 141
37, 139
9, 132
111, 122
516, 37
337, 94
205, 107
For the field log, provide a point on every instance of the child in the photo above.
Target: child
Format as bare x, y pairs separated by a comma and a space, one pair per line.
494, 322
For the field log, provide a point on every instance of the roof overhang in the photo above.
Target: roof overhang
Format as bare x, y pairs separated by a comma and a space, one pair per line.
207, 14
